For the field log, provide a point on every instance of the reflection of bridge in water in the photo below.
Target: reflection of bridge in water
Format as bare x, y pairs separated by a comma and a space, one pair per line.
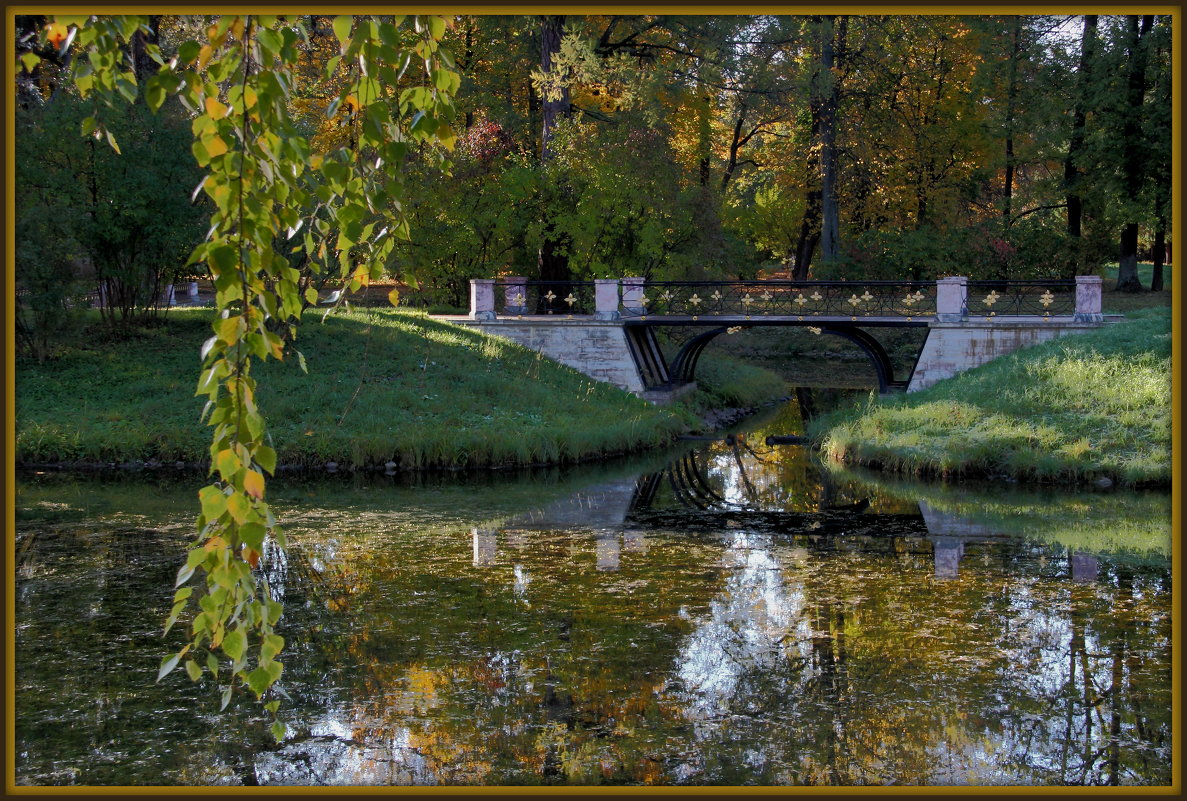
681, 498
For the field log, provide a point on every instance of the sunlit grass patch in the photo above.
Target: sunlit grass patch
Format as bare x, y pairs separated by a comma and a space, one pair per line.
1073, 409
383, 386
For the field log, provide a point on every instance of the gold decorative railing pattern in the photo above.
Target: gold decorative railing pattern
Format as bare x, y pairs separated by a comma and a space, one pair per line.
798, 299
1021, 298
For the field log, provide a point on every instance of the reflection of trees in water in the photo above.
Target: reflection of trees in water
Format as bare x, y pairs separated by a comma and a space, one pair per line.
1026, 678
717, 655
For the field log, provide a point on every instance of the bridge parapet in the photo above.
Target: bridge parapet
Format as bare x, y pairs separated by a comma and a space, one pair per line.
950, 299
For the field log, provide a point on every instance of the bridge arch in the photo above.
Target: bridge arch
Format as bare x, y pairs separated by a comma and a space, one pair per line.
684, 364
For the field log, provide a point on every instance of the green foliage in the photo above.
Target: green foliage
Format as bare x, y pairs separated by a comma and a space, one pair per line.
264, 181
89, 219
1034, 248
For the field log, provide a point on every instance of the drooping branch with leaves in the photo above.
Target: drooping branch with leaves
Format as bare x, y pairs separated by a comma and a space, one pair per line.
282, 213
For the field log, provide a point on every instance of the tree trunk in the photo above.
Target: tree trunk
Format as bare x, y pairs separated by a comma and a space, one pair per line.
142, 62
552, 30
830, 214
809, 235
1156, 280
704, 124
1011, 100
1071, 171
552, 259
735, 146
1133, 171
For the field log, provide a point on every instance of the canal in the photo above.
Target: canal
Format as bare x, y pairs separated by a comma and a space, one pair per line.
731, 612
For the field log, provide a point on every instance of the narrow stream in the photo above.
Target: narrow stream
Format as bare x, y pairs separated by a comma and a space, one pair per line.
731, 612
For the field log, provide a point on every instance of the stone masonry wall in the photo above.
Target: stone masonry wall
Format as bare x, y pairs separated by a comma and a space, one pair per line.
952, 348
598, 349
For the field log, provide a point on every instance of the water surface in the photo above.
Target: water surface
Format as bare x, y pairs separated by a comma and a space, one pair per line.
729, 613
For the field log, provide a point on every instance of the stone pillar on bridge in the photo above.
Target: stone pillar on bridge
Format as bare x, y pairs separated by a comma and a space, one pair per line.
482, 299
632, 291
515, 294
1088, 299
951, 294
606, 299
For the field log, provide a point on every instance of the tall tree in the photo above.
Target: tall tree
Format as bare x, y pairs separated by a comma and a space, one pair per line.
553, 259
1132, 160
832, 46
1072, 171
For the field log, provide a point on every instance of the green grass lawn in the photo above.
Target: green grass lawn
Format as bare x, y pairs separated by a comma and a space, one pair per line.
1073, 409
382, 385
1113, 302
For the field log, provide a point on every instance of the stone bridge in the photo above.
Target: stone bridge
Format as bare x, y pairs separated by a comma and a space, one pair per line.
606, 328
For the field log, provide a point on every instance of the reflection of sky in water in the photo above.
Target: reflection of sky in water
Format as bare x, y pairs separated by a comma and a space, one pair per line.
752, 625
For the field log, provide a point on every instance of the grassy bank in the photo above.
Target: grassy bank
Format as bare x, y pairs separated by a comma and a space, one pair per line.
383, 385
1074, 409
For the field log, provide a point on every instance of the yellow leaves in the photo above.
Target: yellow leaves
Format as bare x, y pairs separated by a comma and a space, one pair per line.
228, 464
253, 484
56, 33
204, 56
215, 109
229, 329
239, 507
215, 146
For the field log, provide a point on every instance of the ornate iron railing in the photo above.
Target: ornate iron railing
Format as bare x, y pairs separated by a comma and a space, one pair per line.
564, 298
1020, 298
798, 299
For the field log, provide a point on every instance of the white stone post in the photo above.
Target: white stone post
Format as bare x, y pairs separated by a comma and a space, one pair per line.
1088, 299
169, 297
606, 299
632, 291
482, 299
193, 291
951, 294
515, 294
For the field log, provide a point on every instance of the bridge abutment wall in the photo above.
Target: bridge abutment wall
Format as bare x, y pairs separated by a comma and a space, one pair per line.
953, 347
597, 348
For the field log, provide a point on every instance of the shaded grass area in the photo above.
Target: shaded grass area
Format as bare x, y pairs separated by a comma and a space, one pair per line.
1113, 302
383, 385
723, 382
1074, 409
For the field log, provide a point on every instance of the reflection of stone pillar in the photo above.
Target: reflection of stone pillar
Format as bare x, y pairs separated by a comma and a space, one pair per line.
1084, 567
609, 551
634, 541
948, 552
515, 538
486, 547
